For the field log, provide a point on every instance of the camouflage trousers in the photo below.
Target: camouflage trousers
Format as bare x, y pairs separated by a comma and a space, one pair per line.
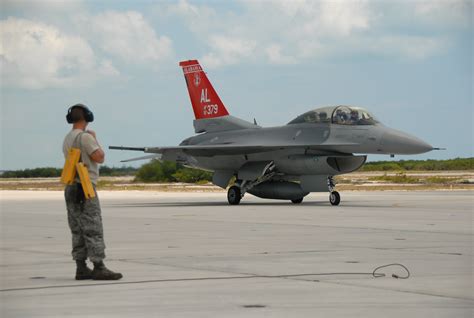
85, 221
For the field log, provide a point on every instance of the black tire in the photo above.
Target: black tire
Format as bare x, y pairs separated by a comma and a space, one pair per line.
334, 198
234, 195
297, 201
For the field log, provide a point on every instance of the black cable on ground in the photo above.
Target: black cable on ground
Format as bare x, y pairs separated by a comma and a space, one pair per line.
374, 274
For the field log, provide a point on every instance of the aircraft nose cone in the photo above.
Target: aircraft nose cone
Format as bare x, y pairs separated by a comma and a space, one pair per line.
397, 142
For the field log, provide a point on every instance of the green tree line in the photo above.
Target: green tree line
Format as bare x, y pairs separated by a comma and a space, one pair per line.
49, 172
32, 173
420, 165
157, 171
153, 171
167, 171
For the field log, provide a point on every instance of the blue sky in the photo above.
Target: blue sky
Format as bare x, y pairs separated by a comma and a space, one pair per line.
408, 62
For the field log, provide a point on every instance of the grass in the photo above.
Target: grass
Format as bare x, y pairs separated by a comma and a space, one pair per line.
442, 180
402, 180
398, 178
456, 164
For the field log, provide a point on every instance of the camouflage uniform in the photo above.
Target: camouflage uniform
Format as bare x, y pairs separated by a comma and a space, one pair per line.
85, 222
84, 216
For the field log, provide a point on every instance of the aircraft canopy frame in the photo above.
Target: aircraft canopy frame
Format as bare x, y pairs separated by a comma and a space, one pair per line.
338, 115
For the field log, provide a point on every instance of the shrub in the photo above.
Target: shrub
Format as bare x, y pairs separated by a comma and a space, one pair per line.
167, 171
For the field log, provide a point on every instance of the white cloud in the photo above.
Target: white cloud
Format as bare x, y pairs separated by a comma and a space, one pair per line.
298, 31
228, 50
280, 32
36, 55
275, 56
128, 36
345, 17
54, 6
414, 47
454, 13
326, 18
199, 18
106, 68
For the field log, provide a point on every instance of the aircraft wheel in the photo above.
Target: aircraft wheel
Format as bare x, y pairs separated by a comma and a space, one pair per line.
297, 201
234, 195
334, 198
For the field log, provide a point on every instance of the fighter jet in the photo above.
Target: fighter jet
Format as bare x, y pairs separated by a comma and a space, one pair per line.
284, 162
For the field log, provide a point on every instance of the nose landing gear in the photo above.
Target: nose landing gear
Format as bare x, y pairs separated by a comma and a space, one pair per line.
334, 196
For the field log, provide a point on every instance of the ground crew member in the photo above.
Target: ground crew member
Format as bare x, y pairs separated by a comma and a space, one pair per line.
84, 216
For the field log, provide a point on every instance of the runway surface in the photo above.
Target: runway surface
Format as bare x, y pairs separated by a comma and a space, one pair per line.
192, 255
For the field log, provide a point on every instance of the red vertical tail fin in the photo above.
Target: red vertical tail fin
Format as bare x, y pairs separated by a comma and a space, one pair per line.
206, 103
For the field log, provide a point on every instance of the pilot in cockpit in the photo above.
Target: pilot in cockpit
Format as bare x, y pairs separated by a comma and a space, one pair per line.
323, 116
341, 117
311, 117
354, 117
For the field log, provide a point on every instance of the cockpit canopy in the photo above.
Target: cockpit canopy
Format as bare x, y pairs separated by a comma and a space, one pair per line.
339, 115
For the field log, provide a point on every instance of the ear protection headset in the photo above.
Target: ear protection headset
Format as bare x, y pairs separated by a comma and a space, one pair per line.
88, 115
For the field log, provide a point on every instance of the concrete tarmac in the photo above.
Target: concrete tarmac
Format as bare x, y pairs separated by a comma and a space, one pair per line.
193, 255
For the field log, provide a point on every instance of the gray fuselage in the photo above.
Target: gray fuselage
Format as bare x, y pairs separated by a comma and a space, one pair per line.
298, 147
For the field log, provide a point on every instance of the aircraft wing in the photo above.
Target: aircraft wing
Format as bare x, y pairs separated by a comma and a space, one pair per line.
229, 149
142, 158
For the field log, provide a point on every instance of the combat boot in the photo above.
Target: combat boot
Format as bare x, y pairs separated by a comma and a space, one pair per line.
100, 272
82, 271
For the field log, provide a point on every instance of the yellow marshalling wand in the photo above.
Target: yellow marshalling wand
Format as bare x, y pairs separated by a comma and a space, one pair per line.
85, 180
73, 166
69, 170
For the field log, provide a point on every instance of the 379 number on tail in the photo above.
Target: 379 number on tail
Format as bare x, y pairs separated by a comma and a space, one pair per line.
211, 109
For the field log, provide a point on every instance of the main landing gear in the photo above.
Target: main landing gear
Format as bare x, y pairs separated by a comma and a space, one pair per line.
237, 191
297, 201
334, 196
234, 195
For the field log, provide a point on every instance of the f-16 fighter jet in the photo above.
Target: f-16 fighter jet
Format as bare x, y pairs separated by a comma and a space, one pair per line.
284, 162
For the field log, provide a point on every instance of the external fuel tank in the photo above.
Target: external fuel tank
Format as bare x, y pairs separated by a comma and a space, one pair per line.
281, 190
